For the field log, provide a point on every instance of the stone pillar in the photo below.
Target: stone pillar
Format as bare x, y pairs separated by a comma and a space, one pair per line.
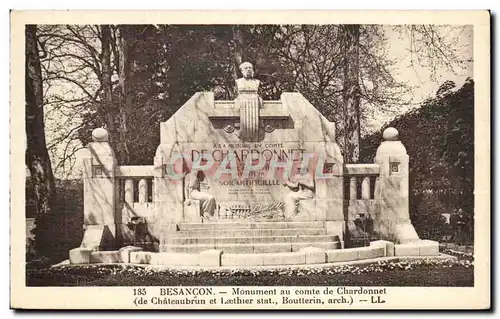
393, 219
99, 193
168, 190
330, 189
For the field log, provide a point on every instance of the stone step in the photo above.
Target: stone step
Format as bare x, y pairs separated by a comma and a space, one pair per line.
248, 240
248, 225
251, 232
249, 248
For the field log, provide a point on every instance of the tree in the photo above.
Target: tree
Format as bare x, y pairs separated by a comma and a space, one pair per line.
439, 139
70, 68
37, 157
351, 94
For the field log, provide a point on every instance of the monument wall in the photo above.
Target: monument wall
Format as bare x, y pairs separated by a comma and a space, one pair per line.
244, 173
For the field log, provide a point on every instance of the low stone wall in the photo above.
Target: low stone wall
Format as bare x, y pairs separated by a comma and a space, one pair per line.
217, 258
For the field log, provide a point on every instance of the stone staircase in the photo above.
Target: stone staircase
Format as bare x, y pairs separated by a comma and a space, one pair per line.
248, 237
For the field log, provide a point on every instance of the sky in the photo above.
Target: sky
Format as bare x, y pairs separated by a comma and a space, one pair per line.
419, 77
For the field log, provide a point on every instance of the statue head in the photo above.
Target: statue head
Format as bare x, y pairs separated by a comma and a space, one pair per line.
246, 69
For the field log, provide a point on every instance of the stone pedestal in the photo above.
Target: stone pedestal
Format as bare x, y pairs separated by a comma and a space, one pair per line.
393, 219
99, 193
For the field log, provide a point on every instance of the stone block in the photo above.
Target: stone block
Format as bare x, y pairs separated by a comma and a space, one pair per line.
295, 258
242, 259
80, 255
339, 255
428, 248
140, 257
314, 255
105, 257
125, 253
406, 250
174, 259
388, 246
370, 252
210, 258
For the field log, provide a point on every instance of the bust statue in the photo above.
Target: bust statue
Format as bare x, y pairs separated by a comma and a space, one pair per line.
247, 84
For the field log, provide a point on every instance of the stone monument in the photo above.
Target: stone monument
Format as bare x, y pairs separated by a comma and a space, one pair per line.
245, 176
247, 148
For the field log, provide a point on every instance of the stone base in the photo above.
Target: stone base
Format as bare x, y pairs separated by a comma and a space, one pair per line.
388, 246
314, 255
213, 258
125, 253
210, 258
80, 255
417, 248
352, 254
105, 257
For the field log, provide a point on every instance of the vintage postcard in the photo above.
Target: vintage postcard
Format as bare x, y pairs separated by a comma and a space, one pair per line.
250, 160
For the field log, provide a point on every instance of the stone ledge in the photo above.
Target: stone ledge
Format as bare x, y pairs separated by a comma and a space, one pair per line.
105, 257
359, 253
429, 248
80, 255
406, 250
140, 257
314, 255
388, 246
341, 255
125, 253
216, 258
210, 258
284, 259
370, 252
417, 248
174, 259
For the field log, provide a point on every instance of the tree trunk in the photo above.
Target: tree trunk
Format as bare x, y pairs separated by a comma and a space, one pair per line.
37, 156
238, 57
125, 97
238, 50
351, 96
107, 85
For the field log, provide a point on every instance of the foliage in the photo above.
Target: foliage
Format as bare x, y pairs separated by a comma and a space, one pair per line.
439, 138
63, 226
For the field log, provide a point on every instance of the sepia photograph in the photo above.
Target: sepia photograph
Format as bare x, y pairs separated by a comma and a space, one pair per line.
318, 164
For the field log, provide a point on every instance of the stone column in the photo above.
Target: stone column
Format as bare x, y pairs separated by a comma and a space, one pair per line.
99, 193
393, 220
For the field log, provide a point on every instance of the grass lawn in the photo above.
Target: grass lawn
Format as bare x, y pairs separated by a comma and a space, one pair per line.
431, 273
